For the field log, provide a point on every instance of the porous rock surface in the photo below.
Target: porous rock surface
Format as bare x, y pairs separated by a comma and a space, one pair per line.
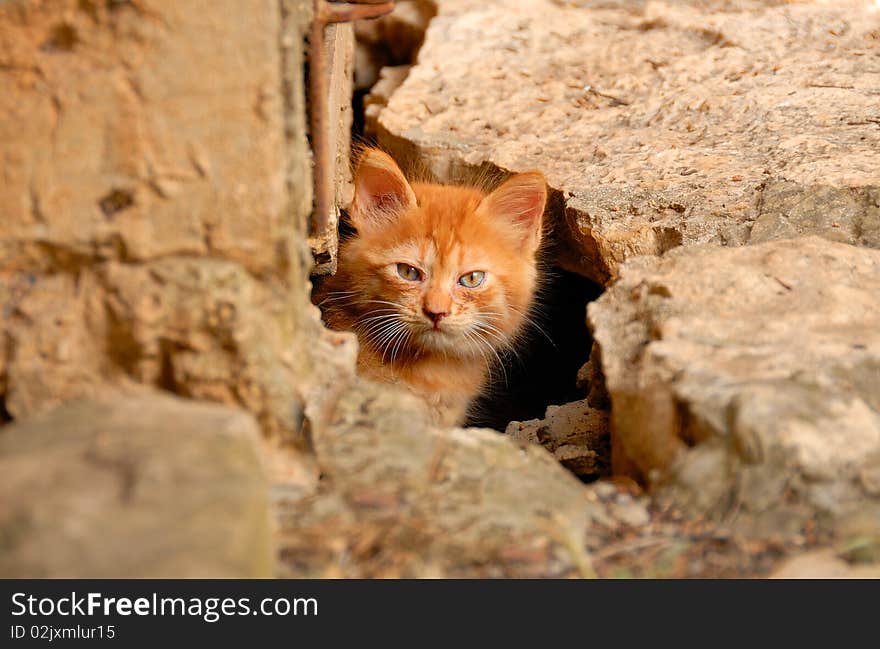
659, 123
155, 188
391, 40
143, 486
746, 380
742, 380
154, 197
575, 433
110, 150
400, 498
823, 564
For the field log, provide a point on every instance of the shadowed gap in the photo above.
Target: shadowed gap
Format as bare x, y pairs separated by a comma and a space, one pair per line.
5, 415
546, 369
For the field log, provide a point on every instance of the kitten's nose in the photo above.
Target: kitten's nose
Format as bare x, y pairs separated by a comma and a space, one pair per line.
434, 316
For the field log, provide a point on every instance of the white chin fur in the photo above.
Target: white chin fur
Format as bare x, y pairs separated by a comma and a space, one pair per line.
442, 341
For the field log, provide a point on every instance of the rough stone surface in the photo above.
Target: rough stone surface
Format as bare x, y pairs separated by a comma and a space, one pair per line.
111, 143
155, 186
402, 499
146, 486
390, 79
155, 193
204, 328
575, 433
592, 382
823, 564
631, 512
660, 123
746, 379
391, 40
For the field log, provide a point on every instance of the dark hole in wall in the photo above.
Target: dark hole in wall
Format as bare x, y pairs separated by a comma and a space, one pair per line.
62, 38
359, 120
544, 369
116, 200
5, 415
390, 41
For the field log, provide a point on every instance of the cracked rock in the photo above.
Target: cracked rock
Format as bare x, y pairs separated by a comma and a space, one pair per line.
403, 499
660, 124
746, 379
575, 433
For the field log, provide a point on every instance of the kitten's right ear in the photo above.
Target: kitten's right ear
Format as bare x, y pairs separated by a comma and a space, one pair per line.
520, 202
380, 190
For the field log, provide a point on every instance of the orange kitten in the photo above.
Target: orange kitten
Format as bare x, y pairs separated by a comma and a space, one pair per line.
436, 281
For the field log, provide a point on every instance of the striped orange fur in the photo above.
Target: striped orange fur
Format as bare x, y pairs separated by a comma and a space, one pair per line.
437, 280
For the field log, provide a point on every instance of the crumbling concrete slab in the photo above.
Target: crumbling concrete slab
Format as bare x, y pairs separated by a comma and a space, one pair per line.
575, 433
746, 380
155, 187
400, 498
659, 123
114, 119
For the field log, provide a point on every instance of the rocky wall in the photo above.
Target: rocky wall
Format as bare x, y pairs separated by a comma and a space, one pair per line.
153, 201
156, 185
691, 147
659, 123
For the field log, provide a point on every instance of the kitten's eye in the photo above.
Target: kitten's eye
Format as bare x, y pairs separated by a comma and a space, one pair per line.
409, 273
472, 279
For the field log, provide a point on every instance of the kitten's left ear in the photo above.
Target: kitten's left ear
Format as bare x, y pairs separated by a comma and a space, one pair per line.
520, 200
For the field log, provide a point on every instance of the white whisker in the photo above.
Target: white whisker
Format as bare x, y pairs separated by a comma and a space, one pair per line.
532, 323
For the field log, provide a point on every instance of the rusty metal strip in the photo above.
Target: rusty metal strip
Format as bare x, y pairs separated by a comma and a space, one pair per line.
326, 13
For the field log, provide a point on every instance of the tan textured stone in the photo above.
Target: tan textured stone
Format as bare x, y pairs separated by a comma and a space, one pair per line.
390, 79
154, 191
155, 129
575, 433
660, 123
154, 198
392, 40
767, 357
402, 499
146, 486
823, 564
201, 327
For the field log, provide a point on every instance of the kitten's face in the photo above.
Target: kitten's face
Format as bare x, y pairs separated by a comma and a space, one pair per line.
439, 268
